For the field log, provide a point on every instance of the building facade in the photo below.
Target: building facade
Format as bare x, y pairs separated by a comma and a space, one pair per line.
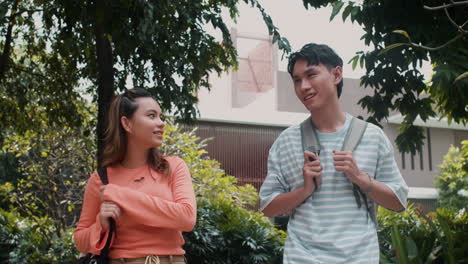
248, 108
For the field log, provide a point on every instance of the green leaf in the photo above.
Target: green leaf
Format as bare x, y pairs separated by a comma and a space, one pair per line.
347, 11
384, 259
461, 76
395, 45
398, 246
336, 9
3, 9
355, 61
354, 13
411, 248
361, 61
402, 32
448, 250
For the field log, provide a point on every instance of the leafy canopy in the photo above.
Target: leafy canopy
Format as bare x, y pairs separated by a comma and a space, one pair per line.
52, 51
394, 73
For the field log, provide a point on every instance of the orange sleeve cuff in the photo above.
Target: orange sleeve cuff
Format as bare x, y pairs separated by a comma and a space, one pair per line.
98, 238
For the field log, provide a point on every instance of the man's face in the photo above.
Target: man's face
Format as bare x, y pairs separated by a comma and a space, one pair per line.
315, 85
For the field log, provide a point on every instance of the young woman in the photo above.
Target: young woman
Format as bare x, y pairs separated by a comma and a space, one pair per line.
149, 196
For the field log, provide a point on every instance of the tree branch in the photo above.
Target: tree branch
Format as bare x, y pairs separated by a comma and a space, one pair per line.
450, 18
459, 28
29, 71
446, 5
463, 25
18, 13
5, 56
439, 47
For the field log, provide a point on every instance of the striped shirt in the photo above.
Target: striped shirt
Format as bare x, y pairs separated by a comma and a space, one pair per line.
329, 227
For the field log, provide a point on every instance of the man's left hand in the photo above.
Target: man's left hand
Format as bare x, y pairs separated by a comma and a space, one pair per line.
345, 162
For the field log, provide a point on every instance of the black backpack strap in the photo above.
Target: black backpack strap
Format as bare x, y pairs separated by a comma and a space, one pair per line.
104, 255
102, 172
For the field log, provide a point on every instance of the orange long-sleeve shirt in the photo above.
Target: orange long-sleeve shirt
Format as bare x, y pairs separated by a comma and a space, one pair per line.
155, 210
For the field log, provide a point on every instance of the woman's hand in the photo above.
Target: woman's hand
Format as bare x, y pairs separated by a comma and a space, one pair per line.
108, 210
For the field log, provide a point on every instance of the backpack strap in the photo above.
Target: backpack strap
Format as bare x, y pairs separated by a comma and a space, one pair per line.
357, 127
309, 137
353, 137
104, 255
310, 140
356, 130
102, 172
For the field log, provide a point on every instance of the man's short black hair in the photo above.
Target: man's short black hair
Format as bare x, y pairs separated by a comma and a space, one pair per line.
316, 54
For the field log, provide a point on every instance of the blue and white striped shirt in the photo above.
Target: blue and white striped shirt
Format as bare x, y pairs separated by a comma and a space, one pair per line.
329, 227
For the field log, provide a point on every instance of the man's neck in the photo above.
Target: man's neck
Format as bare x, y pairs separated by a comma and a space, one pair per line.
328, 120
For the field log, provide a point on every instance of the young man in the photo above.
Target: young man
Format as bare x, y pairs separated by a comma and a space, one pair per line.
326, 224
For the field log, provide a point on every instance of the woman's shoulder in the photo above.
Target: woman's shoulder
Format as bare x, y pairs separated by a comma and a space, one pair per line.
173, 160
93, 181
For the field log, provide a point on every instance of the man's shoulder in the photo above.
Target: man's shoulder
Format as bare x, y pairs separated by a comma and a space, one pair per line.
290, 132
287, 138
375, 136
374, 130
371, 129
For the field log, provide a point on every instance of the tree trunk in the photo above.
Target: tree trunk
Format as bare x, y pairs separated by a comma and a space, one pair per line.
4, 57
105, 75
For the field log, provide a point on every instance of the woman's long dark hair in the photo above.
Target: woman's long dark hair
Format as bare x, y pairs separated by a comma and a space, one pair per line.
115, 137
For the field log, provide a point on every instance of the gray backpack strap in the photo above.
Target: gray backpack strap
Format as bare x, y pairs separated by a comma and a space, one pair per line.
357, 127
309, 137
310, 141
353, 137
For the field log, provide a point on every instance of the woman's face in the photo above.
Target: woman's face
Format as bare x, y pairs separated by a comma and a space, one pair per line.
145, 128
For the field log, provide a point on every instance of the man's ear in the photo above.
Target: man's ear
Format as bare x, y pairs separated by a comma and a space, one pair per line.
338, 73
126, 124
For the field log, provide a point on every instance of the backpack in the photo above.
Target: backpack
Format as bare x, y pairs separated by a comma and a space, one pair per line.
356, 129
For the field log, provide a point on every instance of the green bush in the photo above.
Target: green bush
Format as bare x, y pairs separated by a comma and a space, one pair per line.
452, 182
24, 241
40, 207
210, 181
55, 165
8, 165
227, 234
410, 237
408, 223
226, 231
